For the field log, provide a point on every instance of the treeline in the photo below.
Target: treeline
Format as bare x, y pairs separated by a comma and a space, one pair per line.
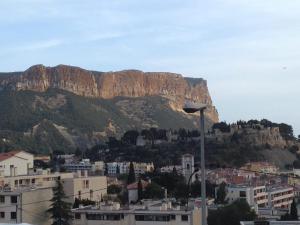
152, 134
286, 130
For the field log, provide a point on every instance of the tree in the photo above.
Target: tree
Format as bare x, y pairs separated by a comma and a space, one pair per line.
114, 189
221, 193
140, 190
60, 209
153, 191
231, 214
222, 126
105, 169
78, 152
131, 175
118, 170
174, 171
130, 137
293, 215
294, 211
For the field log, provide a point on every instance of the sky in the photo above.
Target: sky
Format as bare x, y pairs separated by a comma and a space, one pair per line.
247, 50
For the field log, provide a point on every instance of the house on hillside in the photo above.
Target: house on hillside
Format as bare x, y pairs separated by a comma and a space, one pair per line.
133, 190
15, 163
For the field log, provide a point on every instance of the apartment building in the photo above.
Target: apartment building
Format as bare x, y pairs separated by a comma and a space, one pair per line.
123, 167
253, 195
280, 197
25, 206
273, 197
83, 186
35, 179
155, 213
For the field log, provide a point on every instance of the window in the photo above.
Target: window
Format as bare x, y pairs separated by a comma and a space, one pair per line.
173, 217
77, 216
2, 199
13, 215
13, 199
2, 215
91, 194
79, 195
242, 194
184, 218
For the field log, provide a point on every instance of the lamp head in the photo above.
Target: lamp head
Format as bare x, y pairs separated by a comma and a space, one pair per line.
192, 107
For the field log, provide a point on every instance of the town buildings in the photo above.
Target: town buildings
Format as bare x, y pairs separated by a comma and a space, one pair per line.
25, 194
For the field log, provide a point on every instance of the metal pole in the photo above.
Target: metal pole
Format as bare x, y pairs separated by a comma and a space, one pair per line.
203, 191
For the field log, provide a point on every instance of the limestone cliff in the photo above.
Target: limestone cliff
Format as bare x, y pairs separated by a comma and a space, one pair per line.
108, 85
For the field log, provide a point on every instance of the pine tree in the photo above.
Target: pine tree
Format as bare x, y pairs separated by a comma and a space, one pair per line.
131, 175
221, 193
118, 170
175, 171
140, 190
60, 209
105, 169
294, 212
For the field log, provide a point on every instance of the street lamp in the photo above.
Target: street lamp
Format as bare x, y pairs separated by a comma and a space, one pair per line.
188, 188
191, 107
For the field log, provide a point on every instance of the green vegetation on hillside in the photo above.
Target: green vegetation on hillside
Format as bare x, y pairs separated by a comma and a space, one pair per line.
39, 121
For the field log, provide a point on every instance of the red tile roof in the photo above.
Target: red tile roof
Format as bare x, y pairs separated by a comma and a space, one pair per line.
135, 185
7, 155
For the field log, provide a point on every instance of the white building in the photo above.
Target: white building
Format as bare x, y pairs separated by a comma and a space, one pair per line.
274, 197
280, 197
123, 167
84, 165
15, 163
154, 213
133, 190
169, 169
253, 195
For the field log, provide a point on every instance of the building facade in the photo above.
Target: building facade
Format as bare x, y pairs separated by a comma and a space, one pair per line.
157, 214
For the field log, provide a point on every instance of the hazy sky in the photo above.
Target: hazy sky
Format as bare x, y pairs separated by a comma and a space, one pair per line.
247, 50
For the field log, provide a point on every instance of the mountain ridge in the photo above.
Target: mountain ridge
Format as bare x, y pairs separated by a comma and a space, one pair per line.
107, 85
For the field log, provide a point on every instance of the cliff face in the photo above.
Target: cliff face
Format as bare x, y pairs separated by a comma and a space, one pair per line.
128, 83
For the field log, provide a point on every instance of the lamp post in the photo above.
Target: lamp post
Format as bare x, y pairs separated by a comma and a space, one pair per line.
188, 188
191, 107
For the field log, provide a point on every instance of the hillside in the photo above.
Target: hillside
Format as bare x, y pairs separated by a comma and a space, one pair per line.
60, 120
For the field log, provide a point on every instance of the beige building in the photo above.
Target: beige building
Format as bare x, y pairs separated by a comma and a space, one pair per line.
156, 213
82, 186
15, 163
25, 206
26, 198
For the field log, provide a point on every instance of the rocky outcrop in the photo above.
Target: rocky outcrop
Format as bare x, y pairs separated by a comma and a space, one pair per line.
257, 135
107, 85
